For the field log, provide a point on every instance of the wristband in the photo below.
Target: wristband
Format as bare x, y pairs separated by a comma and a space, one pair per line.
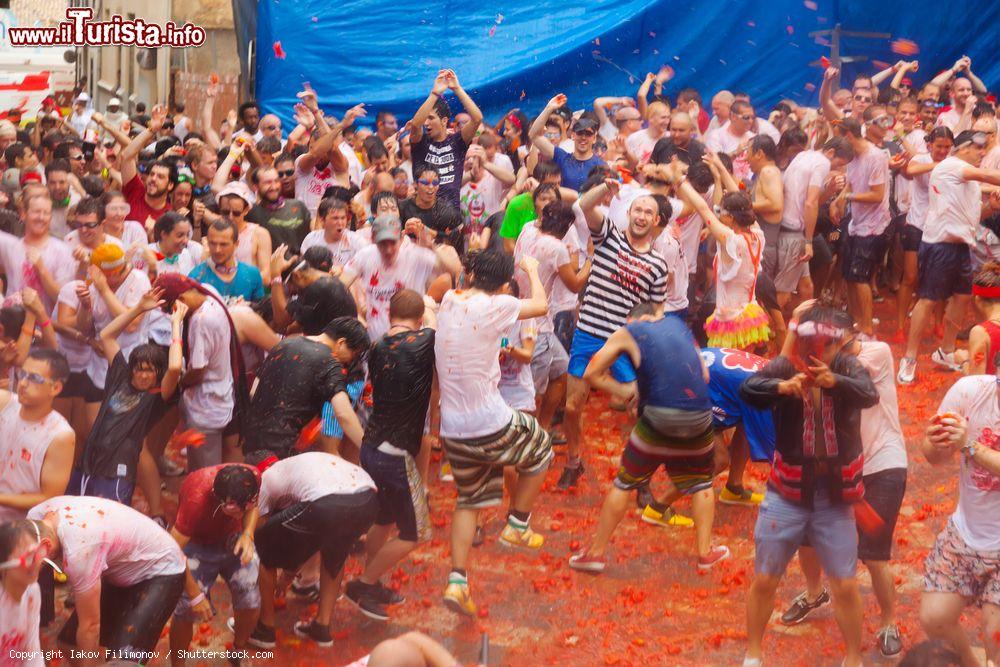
277, 281
175, 340
197, 599
969, 449
437, 95
45, 323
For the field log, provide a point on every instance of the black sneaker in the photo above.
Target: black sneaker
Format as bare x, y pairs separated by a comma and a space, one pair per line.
310, 592
314, 631
889, 642
263, 636
643, 497
388, 596
801, 607
569, 477
364, 598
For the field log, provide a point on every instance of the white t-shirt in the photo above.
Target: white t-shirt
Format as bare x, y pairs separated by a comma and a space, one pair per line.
343, 250
478, 201
59, 226
865, 171
56, 256
105, 540
977, 516
881, 435
23, 447
307, 477
19, 623
953, 204
677, 281
516, 384
129, 293
737, 264
551, 254
949, 119
76, 353
310, 185
469, 374
919, 194
412, 269
724, 141
691, 227
210, 403
915, 142
808, 169
640, 144
158, 322
562, 298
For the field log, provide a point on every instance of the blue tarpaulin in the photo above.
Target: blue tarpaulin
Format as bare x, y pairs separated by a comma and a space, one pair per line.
517, 54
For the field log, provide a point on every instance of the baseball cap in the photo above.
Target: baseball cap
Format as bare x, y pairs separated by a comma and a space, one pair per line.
970, 137
82, 97
114, 102
584, 124
240, 189
386, 228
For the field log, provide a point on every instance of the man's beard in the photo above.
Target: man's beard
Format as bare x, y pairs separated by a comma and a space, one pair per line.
156, 194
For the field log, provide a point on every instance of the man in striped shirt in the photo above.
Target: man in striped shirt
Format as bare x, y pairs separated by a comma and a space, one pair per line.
626, 271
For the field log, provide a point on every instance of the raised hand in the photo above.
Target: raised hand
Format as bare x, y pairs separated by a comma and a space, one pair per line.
452, 79
151, 300
831, 73
557, 101
440, 82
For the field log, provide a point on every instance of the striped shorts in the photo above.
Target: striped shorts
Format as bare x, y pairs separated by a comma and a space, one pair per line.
478, 463
688, 459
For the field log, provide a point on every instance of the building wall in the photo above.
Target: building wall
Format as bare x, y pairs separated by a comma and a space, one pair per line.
114, 72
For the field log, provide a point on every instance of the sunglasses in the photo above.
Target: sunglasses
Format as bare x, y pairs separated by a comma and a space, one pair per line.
76, 158
35, 378
428, 182
88, 225
862, 98
979, 139
720, 211
883, 121
34, 555
184, 178
585, 133
288, 173
747, 117
168, 126
230, 211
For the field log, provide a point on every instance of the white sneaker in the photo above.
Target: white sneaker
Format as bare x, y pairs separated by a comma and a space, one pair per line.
907, 370
945, 360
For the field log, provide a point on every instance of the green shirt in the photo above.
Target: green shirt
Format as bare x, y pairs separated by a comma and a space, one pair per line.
520, 211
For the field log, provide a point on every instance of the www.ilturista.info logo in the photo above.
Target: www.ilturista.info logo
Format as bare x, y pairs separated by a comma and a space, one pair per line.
79, 30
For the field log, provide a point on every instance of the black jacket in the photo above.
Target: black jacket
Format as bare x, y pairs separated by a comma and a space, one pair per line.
793, 474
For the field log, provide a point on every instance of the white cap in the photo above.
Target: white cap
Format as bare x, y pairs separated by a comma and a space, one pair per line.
82, 97
114, 102
240, 189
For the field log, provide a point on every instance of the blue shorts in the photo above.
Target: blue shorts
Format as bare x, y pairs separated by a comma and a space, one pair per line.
331, 427
758, 428
585, 346
118, 489
945, 269
782, 527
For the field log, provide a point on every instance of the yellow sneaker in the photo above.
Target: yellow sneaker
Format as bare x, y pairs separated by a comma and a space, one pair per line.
664, 519
521, 539
745, 497
458, 597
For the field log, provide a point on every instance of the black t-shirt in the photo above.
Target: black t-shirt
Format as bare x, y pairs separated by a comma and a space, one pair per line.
665, 150
287, 224
113, 446
401, 369
448, 157
297, 378
443, 218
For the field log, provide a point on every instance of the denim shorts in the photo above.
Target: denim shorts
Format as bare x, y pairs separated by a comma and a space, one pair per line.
207, 562
783, 526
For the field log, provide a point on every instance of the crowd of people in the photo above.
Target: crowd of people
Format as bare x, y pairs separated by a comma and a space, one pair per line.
301, 317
